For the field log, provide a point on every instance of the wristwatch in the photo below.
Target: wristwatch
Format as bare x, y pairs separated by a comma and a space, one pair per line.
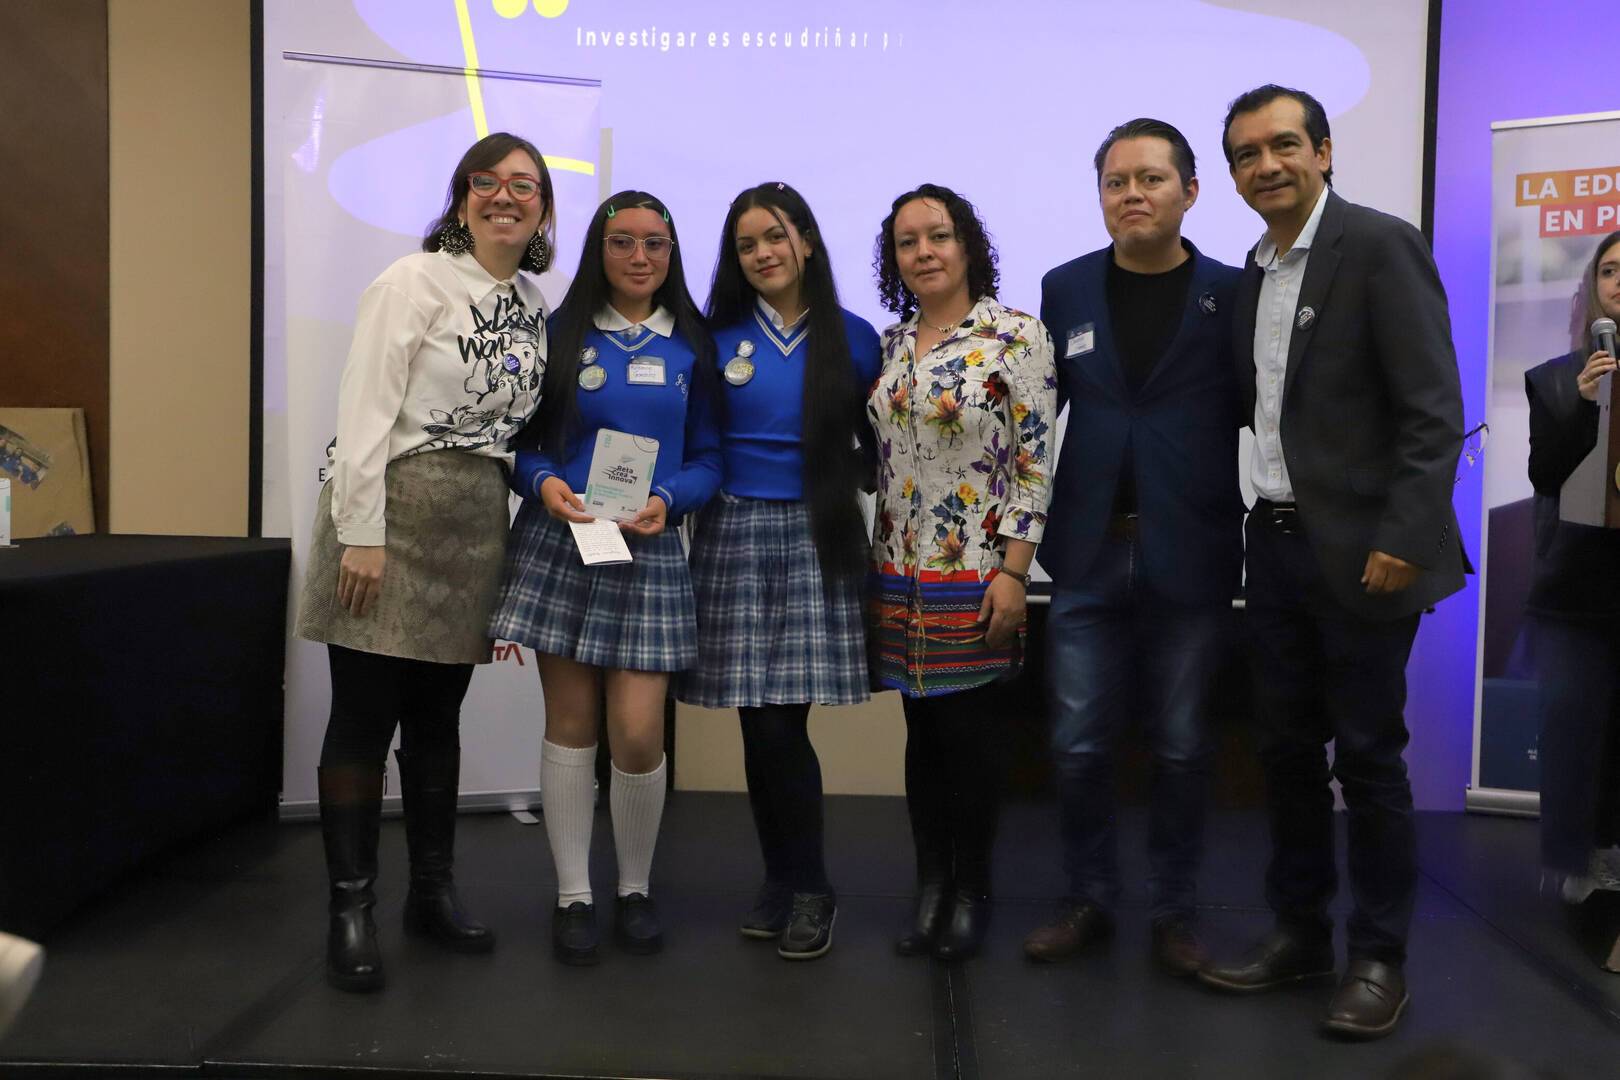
1022, 579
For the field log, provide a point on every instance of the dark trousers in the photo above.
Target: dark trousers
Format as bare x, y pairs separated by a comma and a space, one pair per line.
1117, 651
784, 792
1578, 672
1323, 674
953, 783
372, 694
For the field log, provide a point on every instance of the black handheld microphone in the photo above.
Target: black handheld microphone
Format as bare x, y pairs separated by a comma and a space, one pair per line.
1603, 335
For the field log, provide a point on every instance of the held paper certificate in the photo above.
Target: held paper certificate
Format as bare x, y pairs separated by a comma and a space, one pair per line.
621, 475
600, 542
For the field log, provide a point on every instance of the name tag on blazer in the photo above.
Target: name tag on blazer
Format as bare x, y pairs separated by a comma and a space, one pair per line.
1082, 339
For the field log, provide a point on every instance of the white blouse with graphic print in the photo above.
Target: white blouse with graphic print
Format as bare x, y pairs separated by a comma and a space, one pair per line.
444, 357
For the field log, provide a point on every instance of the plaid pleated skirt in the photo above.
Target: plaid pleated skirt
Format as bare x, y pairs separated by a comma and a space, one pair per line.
769, 633
446, 539
638, 616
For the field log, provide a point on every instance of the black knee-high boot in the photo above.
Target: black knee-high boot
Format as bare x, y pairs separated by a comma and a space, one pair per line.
351, 804
927, 804
972, 762
429, 784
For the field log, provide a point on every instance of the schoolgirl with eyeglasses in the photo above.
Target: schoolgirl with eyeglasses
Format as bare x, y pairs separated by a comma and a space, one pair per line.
629, 353
779, 559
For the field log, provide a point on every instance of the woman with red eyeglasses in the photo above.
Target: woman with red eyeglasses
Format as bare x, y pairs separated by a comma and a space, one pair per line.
447, 362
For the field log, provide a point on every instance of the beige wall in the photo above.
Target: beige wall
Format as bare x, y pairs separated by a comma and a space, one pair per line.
862, 748
180, 156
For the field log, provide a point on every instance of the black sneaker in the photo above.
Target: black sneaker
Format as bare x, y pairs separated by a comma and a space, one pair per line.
809, 934
573, 933
773, 910
635, 925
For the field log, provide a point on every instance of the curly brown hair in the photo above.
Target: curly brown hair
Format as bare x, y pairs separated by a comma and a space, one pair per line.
983, 275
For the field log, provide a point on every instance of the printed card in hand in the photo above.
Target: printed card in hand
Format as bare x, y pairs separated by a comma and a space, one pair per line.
621, 475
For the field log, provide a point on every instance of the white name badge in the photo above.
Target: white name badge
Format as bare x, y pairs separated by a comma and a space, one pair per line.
646, 371
1082, 339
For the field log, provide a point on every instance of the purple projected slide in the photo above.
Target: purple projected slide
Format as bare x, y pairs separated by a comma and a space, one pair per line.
1004, 102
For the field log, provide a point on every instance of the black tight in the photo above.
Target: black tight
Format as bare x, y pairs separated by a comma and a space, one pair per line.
372, 694
784, 791
953, 783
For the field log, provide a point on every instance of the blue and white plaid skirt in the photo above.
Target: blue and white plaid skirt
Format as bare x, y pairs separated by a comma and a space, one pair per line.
638, 616
768, 633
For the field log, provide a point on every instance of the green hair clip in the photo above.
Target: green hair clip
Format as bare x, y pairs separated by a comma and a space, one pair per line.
611, 211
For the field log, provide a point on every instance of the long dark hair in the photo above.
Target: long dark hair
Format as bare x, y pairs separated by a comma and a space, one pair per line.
1586, 307
482, 156
983, 276
834, 408
554, 423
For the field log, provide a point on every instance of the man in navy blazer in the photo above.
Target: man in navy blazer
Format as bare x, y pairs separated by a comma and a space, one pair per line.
1143, 538
1344, 355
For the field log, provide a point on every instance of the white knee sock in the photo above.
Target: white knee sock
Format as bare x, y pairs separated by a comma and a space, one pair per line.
637, 802
568, 799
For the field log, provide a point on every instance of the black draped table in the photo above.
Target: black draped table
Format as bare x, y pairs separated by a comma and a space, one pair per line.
140, 705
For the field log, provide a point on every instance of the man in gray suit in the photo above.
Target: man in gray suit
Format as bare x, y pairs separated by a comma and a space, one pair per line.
1343, 347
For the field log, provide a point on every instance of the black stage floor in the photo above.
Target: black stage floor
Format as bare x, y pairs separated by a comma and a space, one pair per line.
211, 964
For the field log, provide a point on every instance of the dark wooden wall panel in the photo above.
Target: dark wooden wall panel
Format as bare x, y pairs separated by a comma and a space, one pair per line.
53, 214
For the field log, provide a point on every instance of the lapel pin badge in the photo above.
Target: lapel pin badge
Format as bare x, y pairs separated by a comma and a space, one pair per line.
1305, 318
1207, 302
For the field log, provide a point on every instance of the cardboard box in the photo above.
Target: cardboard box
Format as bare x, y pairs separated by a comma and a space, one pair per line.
46, 456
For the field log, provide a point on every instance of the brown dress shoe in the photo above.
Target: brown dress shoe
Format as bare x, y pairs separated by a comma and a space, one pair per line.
1282, 956
1076, 926
1369, 1001
1176, 947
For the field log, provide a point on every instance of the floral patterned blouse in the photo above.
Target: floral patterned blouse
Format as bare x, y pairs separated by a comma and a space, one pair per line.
963, 436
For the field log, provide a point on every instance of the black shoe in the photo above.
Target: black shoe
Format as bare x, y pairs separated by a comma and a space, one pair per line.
810, 933
773, 910
351, 805
1285, 955
1079, 923
1369, 1001
428, 785
573, 934
635, 925
964, 932
933, 907
1177, 948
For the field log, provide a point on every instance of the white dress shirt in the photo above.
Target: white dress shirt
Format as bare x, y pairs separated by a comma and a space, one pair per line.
609, 321
1282, 277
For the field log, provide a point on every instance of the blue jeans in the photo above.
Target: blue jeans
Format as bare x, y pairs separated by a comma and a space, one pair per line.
1119, 650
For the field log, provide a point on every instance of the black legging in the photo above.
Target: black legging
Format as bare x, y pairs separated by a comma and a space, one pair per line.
954, 755
784, 791
371, 694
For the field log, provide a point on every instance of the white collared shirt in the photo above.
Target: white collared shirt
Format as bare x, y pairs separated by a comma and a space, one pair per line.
443, 357
783, 327
609, 321
1282, 277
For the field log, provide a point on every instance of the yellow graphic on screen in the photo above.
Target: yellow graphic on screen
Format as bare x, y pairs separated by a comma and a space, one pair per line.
509, 9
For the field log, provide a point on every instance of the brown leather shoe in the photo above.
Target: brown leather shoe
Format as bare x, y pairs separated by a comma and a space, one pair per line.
1176, 947
1369, 1001
1076, 926
1282, 956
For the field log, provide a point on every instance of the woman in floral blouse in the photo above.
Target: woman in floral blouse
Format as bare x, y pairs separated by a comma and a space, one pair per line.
963, 411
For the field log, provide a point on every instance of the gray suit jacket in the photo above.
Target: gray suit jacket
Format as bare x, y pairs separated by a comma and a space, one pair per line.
1372, 406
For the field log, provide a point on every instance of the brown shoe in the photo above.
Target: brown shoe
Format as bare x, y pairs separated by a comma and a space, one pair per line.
1282, 956
1369, 1001
1076, 926
1176, 947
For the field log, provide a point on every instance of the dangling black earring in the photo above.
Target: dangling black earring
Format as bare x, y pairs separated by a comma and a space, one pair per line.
537, 256
455, 238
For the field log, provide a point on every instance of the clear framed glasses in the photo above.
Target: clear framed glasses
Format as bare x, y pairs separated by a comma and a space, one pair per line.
623, 245
522, 188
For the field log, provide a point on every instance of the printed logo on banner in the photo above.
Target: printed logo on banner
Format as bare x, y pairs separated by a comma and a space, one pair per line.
1572, 202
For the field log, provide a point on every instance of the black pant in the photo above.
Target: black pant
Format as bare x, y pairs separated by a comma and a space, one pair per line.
1577, 661
1322, 673
372, 694
953, 783
784, 791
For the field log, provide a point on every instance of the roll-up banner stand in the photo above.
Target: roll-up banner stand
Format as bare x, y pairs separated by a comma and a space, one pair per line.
1555, 190
366, 151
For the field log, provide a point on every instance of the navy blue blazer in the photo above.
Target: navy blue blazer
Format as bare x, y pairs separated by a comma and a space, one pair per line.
1182, 429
